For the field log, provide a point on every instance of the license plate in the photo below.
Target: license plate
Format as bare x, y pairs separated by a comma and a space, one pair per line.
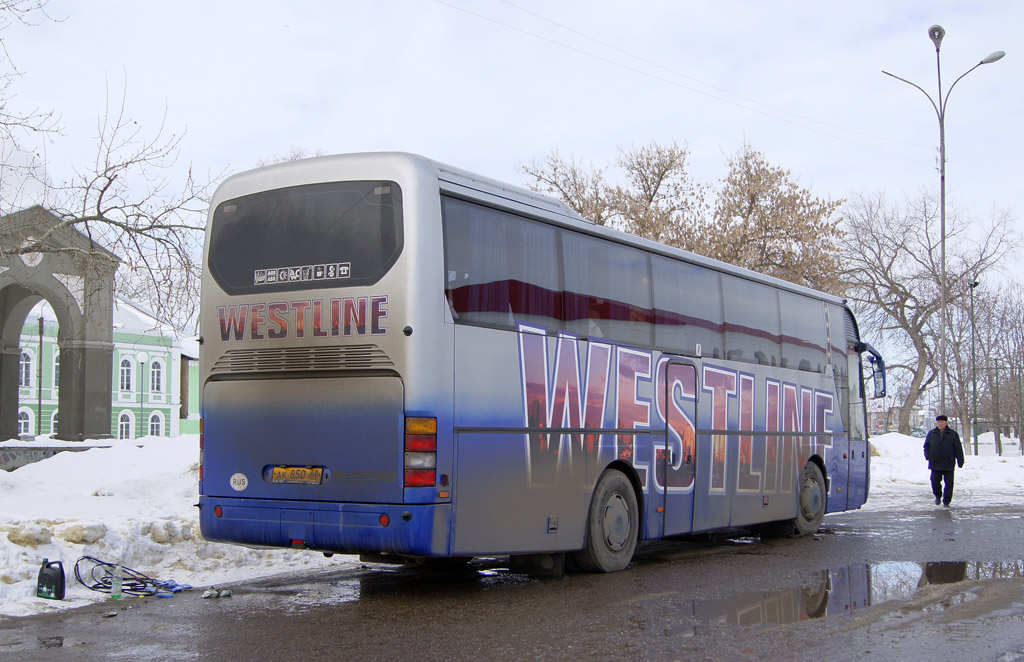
298, 475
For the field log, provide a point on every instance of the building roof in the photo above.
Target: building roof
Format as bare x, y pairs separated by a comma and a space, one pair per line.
19, 226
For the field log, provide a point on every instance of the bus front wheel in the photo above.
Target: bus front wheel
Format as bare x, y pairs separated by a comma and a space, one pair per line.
613, 523
811, 508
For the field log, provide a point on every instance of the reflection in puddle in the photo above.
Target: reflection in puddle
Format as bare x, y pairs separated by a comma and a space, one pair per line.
847, 590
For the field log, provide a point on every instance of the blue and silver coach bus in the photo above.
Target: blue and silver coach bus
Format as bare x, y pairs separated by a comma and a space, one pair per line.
403, 358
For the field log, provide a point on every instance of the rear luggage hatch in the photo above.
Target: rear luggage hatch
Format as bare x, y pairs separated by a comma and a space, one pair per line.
330, 439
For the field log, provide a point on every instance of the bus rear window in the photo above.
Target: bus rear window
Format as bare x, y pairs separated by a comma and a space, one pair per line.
336, 234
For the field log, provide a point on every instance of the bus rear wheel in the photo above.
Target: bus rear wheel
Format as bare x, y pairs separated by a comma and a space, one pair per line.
613, 524
811, 507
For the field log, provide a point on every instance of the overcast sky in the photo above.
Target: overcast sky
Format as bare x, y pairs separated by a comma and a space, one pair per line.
488, 84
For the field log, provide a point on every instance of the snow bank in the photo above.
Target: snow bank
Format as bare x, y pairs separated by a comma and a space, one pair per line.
900, 476
133, 504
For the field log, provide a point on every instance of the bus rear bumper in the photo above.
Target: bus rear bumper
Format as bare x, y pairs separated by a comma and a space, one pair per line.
345, 528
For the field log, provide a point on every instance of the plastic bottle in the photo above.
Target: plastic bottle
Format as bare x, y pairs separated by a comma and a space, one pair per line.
51, 580
116, 581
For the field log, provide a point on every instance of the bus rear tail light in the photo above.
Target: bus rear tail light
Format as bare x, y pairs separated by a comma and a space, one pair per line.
420, 452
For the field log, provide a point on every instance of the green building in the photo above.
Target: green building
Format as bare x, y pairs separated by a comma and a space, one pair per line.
153, 369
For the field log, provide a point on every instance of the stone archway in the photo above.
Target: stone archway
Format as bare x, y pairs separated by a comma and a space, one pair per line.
76, 276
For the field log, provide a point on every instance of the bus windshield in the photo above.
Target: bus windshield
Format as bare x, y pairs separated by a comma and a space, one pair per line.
306, 237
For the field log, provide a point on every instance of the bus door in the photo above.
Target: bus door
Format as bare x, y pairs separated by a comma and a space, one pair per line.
677, 458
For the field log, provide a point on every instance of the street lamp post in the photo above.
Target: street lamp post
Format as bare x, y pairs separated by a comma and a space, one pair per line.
974, 373
141, 357
936, 33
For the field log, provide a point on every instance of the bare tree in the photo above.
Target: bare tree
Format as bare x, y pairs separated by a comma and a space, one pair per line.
662, 202
137, 202
135, 199
961, 365
584, 190
659, 200
1012, 313
763, 220
892, 273
1000, 358
294, 153
19, 127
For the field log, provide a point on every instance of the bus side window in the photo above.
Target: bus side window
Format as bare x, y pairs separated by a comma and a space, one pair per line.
804, 338
751, 320
502, 268
607, 290
687, 307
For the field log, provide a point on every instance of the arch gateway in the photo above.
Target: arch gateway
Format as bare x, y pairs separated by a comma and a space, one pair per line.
76, 276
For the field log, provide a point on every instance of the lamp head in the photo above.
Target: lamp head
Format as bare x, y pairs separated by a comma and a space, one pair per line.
998, 55
936, 33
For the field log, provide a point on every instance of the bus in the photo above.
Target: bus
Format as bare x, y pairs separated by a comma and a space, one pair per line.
406, 360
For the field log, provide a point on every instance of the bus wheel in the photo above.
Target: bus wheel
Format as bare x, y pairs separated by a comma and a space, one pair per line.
613, 523
811, 509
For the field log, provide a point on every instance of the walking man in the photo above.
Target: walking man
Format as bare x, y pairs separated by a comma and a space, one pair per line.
944, 453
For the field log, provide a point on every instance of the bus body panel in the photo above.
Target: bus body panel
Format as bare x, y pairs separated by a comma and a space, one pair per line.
498, 512
352, 528
528, 413
526, 479
383, 345
859, 477
503, 504
253, 426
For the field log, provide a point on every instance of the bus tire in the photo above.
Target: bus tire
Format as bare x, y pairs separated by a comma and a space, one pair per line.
613, 524
811, 505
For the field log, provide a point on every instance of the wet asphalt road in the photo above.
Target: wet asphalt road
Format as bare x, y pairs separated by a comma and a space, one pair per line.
921, 584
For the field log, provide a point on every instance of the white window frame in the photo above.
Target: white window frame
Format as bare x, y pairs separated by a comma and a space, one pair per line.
27, 418
158, 418
156, 370
25, 362
125, 374
125, 420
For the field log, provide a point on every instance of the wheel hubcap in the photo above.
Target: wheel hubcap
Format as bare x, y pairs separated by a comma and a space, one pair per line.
810, 499
616, 522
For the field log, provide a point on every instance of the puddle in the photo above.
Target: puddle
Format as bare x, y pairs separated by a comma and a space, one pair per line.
50, 642
334, 593
848, 590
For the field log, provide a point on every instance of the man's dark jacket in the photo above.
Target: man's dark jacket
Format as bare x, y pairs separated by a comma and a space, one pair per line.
943, 450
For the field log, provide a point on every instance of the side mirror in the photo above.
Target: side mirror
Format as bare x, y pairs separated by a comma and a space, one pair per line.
878, 376
877, 368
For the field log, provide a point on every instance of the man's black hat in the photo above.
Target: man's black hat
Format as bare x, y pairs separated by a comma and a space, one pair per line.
941, 417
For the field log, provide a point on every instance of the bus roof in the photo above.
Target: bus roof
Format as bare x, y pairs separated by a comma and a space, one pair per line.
466, 184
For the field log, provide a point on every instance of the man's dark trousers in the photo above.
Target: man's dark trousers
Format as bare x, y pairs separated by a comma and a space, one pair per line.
945, 494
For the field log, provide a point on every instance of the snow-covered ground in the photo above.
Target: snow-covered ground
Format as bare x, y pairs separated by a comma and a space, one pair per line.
900, 476
133, 504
